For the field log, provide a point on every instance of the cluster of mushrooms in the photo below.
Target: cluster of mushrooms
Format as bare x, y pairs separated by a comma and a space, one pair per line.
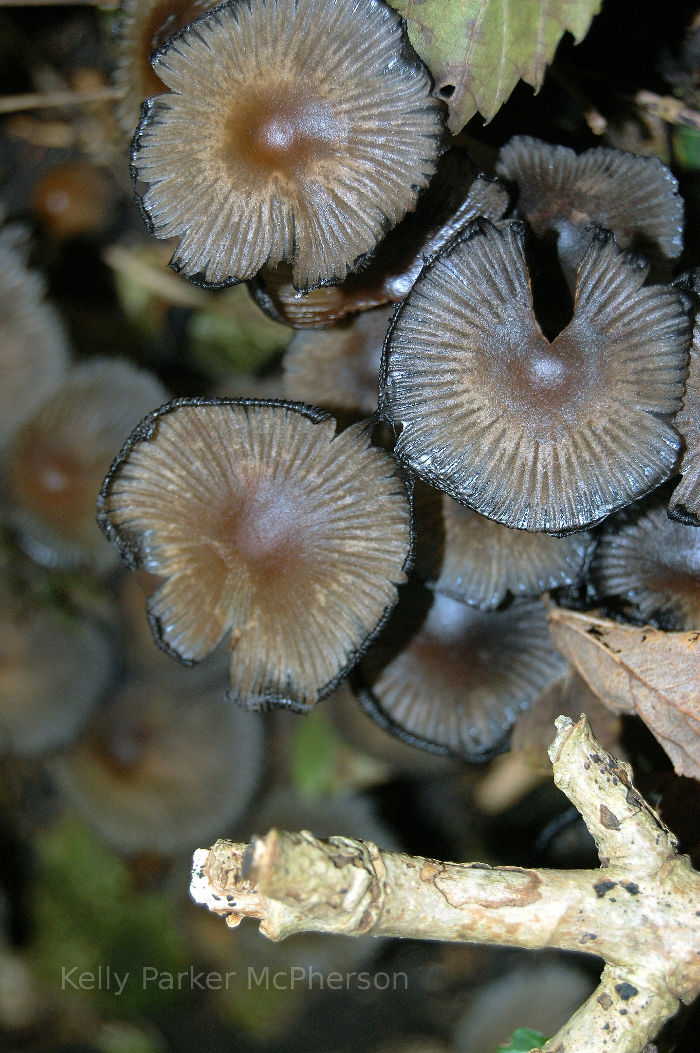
511, 368
491, 394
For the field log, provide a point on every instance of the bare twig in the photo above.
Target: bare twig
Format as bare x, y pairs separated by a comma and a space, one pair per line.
668, 109
638, 912
48, 100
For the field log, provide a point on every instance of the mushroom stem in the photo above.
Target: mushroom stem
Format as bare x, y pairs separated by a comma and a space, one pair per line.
637, 912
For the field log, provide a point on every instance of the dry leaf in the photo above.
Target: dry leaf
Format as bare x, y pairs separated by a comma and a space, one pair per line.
639, 670
570, 696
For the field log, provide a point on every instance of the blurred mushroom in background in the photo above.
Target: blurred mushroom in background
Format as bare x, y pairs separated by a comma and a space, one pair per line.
166, 764
57, 461
33, 345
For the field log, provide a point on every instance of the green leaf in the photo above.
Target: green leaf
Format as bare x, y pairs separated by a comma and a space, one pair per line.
523, 1040
477, 50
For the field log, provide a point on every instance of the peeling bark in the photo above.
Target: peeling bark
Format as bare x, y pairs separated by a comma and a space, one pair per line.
640, 912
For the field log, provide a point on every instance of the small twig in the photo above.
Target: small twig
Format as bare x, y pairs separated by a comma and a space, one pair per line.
668, 109
45, 100
638, 912
59, 3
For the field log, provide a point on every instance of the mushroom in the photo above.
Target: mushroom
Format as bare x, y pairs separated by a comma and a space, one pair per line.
143, 27
57, 460
269, 529
55, 665
297, 132
478, 561
338, 368
33, 350
562, 194
685, 500
453, 679
163, 764
455, 196
536, 435
650, 565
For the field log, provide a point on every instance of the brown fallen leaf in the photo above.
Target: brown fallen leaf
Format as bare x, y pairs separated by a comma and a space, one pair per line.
640, 670
569, 696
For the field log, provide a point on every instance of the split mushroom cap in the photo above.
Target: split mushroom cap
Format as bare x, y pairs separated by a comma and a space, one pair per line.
162, 767
54, 668
685, 500
33, 350
451, 678
456, 196
292, 131
478, 561
338, 368
537, 435
57, 461
269, 529
651, 565
561, 193
143, 27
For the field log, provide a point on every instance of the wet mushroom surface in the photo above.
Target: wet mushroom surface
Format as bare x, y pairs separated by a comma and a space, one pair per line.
449, 677
539, 435
269, 529
305, 130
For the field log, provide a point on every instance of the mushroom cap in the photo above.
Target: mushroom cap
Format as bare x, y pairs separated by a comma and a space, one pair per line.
537, 435
651, 563
635, 197
456, 195
338, 368
162, 767
143, 27
292, 131
54, 667
58, 459
685, 500
268, 528
478, 561
33, 350
451, 678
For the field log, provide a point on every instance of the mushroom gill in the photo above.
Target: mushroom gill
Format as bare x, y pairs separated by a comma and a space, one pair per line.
450, 678
291, 131
561, 194
269, 529
537, 435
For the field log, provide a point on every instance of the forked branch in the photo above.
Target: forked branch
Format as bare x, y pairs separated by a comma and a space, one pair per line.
640, 912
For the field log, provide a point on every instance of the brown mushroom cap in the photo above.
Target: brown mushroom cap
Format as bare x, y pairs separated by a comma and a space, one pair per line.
265, 525
537, 435
651, 565
635, 197
296, 132
478, 561
143, 27
58, 459
33, 350
685, 500
338, 368
448, 677
54, 668
455, 196
162, 767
